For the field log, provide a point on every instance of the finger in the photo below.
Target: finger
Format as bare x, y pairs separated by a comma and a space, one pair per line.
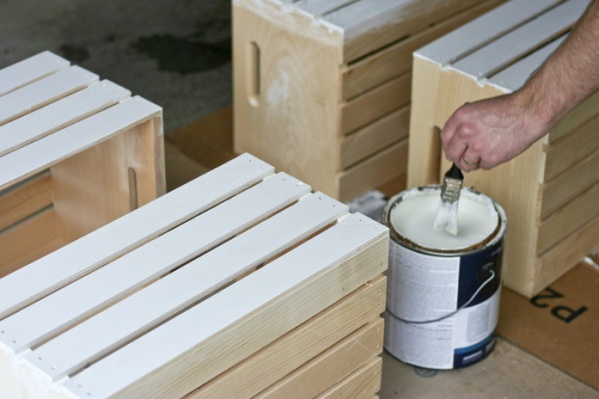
470, 161
455, 150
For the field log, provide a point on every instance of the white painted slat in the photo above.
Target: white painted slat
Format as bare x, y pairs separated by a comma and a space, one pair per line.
44, 91
351, 17
73, 139
109, 242
482, 30
318, 8
59, 114
28, 70
95, 337
144, 264
514, 76
520, 41
181, 334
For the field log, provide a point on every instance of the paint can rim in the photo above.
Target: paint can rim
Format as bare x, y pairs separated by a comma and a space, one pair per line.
491, 239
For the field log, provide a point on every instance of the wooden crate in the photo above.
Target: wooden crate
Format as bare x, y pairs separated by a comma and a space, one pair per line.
322, 88
75, 153
551, 191
240, 283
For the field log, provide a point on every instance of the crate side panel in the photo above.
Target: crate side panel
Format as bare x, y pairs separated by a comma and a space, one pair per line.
287, 88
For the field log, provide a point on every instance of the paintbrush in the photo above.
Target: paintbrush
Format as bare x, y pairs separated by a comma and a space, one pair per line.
447, 214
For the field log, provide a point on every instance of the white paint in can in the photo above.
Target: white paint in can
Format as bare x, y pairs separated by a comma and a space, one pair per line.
443, 290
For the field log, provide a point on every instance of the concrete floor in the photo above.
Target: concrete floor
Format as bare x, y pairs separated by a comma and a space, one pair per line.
174, 53
177, 54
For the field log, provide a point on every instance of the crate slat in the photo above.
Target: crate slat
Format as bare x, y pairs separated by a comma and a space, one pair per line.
194, 281
332, 366
73, 303
313, 276
44, 121
520, 41
255, 374
44, 91
41, 154
473, 35
29, 70
100, 247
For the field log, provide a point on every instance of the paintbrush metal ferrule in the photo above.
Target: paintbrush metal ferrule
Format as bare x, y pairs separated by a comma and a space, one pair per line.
450, 191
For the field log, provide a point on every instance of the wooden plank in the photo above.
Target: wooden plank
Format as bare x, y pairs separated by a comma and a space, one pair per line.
29, 70
577, 145
109, 242
59, 114
390, 62
566, 186
318, 8
379, 169
522, 40
376, 103
369, 25
298, 98
75, 302
314, 275
574, 119
514, 76
375, 137
23, 200
266, 367
145, 309
483, 30
564, 256
363, 383
331, 366
24, 238
43, 92
568, 219
41, 154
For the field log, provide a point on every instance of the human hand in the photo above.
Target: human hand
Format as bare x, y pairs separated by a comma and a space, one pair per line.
486, 133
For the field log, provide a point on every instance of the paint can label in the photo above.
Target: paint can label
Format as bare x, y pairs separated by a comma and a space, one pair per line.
442, 311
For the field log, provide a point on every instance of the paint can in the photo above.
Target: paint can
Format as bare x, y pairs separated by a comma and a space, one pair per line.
443, 290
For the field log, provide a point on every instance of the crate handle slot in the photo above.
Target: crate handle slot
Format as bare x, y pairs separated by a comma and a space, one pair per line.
254, 74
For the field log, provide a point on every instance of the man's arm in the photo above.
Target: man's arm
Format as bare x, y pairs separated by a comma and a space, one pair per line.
486, 133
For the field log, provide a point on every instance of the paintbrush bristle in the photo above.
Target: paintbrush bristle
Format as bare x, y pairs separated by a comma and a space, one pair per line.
447, 213
447, 217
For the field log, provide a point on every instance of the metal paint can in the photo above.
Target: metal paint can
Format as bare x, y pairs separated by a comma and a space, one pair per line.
443, 291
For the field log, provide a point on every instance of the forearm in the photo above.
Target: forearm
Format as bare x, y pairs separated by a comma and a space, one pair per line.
568, 78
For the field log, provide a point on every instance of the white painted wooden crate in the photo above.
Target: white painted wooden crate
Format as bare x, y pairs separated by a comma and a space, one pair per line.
551, 191
322, 87
75, 153
242, 282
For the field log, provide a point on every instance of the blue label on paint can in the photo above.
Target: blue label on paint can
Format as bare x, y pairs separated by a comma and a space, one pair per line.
475, 269
466, 356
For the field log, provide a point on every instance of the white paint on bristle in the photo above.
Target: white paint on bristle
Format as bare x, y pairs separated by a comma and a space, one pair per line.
447, 217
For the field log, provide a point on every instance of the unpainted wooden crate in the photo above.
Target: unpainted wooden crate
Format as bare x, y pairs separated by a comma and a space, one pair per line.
76, 152
551, 191
240, 283
322, 88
